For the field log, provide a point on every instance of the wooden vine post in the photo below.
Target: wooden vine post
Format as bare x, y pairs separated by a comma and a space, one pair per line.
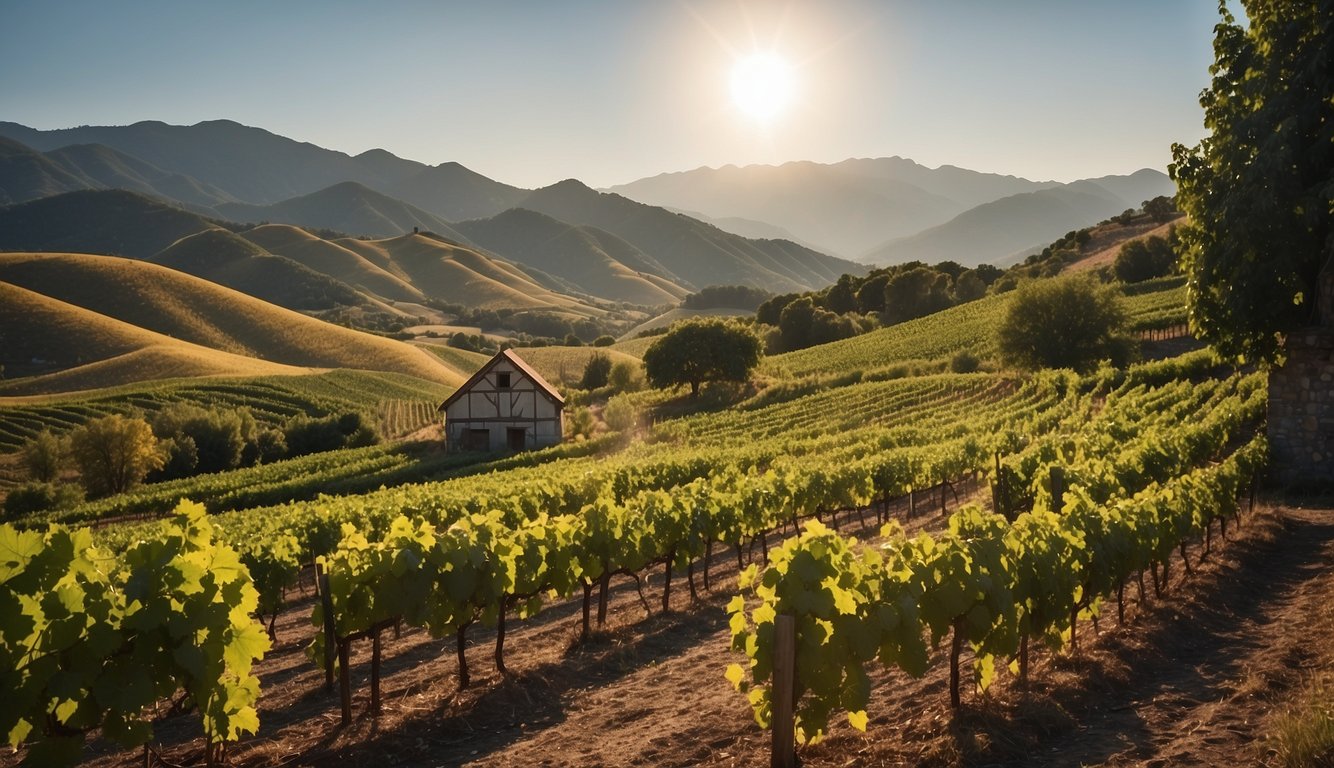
330, 638
784, 751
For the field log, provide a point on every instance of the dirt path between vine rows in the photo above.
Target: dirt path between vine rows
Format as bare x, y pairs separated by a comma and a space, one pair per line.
1193, 678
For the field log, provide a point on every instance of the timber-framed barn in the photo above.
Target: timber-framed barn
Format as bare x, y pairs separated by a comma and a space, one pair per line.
506, 405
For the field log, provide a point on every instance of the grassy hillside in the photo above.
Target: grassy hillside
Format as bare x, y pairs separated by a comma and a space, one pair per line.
1108, 240
332, 259
112, 222
346, 207
457, 274
970, 326
565, 365
222, 257
187, 308
50, 345
587, 257
671, 316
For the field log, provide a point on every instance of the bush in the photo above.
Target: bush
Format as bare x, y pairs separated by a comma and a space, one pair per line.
1069, 322
42, 457
1141, 260
31, 498
115, 453
964, 362
620, 414
596, 372
579, 423
604, 341
304, 435
625, 376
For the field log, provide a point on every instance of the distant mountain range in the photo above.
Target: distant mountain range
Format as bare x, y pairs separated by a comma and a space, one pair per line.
646, 242
891, 210
228, 171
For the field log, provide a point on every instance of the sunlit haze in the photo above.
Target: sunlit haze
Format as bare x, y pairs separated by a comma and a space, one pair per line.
762, 85
607, 92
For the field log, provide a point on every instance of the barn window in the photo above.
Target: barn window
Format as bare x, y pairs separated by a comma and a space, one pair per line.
502, 381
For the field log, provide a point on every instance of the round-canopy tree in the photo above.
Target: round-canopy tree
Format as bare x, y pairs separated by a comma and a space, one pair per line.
1068, 322
1259, 189
696, 351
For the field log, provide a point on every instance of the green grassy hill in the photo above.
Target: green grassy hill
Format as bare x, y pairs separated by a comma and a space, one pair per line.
190, 309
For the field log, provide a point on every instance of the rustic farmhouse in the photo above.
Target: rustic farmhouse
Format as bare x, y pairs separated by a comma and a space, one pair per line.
506, 405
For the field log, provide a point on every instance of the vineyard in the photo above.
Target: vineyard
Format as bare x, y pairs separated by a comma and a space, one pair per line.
1034, 504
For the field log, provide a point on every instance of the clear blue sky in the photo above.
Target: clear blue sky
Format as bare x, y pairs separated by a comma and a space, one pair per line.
533, 92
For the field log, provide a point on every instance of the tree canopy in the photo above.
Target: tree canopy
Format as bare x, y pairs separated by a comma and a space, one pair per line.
700, 350
1259, 190
1066, 322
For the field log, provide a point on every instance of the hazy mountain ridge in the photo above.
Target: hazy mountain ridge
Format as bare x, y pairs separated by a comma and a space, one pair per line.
272, 178
407, 267
889, 210
596, 261
845, 208
1002, 231
696, 252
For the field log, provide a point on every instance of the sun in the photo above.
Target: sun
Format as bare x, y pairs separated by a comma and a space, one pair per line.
762, 86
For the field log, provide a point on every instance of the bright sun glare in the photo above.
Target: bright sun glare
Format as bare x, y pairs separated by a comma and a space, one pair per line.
762, 86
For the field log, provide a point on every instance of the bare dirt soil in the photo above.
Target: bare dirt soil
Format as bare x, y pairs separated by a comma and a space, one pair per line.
1193, 678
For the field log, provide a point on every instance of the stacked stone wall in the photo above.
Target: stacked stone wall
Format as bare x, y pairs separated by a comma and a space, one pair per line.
1301, 402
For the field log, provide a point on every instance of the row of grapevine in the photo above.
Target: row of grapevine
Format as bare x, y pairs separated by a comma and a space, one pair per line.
990, 583
91, 640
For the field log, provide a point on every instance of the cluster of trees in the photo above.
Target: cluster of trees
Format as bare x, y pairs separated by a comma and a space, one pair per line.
855, 305
1141, 260
537, 328
115, 453
727, 297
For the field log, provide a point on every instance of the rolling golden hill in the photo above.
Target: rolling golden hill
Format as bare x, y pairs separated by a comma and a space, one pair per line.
73, 348
456, 274
227, 259
165, 302
333, 260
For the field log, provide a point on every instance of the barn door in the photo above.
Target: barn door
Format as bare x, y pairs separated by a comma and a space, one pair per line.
514, 437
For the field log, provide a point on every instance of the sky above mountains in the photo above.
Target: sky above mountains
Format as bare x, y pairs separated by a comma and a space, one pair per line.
532, 92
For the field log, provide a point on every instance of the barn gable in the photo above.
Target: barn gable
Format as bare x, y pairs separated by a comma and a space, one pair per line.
505, 405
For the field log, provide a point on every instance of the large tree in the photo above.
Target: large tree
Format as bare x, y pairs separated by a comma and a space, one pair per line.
701, 350
1259, 189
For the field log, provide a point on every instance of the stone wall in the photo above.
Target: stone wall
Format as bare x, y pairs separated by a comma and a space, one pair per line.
1301, 402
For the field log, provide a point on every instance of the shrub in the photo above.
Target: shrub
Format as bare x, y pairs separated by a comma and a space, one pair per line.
114, 453
625, 376
1064, 323
31, 498
42, 457
596, 372
604, 341
620, 414
964, 362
